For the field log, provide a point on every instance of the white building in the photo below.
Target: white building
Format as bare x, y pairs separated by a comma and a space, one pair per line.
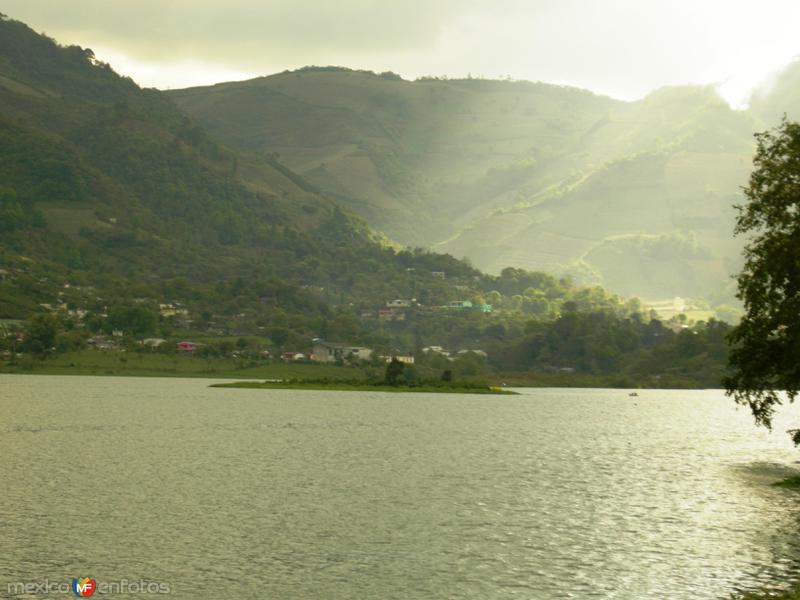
329, 352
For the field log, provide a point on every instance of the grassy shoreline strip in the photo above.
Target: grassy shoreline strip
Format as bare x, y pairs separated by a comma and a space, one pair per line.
362, 387
147, 364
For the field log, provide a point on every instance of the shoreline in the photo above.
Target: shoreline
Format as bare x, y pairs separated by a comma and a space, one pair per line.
535, 381
366, 387
133, 364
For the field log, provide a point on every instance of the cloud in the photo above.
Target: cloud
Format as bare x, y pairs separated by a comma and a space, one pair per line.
620, 47
242, 30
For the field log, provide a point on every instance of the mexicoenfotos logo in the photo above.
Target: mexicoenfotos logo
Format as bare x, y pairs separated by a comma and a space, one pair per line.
84, 587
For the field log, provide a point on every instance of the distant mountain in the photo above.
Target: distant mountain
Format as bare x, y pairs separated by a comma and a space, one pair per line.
637, 196
780, 96
410, 157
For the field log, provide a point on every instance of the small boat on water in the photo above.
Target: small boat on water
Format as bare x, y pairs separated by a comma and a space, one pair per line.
633, 394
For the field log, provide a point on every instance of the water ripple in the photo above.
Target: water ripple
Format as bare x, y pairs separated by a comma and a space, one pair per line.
304, 494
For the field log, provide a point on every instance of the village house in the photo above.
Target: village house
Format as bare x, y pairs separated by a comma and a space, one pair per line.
187, 347
101, 342
468, 305
437, 350
677, 327
401, 303
391, 314
78, 313
480, 353
404, 357
292, 356
460, 304
171, 310
330, 352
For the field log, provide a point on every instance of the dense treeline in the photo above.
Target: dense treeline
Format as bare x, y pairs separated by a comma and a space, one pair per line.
640, 350
620, 350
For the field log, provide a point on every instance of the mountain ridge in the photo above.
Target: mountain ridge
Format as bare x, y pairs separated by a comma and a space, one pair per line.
437, 162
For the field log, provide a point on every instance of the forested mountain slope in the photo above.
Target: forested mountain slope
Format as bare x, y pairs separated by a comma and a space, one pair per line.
108, 185
512, 173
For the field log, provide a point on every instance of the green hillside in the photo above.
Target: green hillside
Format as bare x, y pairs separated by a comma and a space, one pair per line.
111, 188
126, 226
410, 157
628, 226
511, 173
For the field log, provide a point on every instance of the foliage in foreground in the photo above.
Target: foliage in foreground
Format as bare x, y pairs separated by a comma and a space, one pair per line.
766, 342
789, 482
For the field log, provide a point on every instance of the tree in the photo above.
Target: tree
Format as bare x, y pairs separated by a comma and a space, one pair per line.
394, 370
763, 357
41, 333
279, 336
134, 318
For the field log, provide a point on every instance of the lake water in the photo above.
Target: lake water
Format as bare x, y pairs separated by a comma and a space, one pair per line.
280, 494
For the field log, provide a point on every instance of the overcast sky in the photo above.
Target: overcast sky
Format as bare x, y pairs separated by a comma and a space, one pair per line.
623, 48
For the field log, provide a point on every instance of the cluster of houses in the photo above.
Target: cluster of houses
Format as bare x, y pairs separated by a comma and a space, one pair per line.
334, 352
337, 353
61, 307
468, 305
396, 310
113, 342
322, 352
176, 310
453, 355
15, 335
